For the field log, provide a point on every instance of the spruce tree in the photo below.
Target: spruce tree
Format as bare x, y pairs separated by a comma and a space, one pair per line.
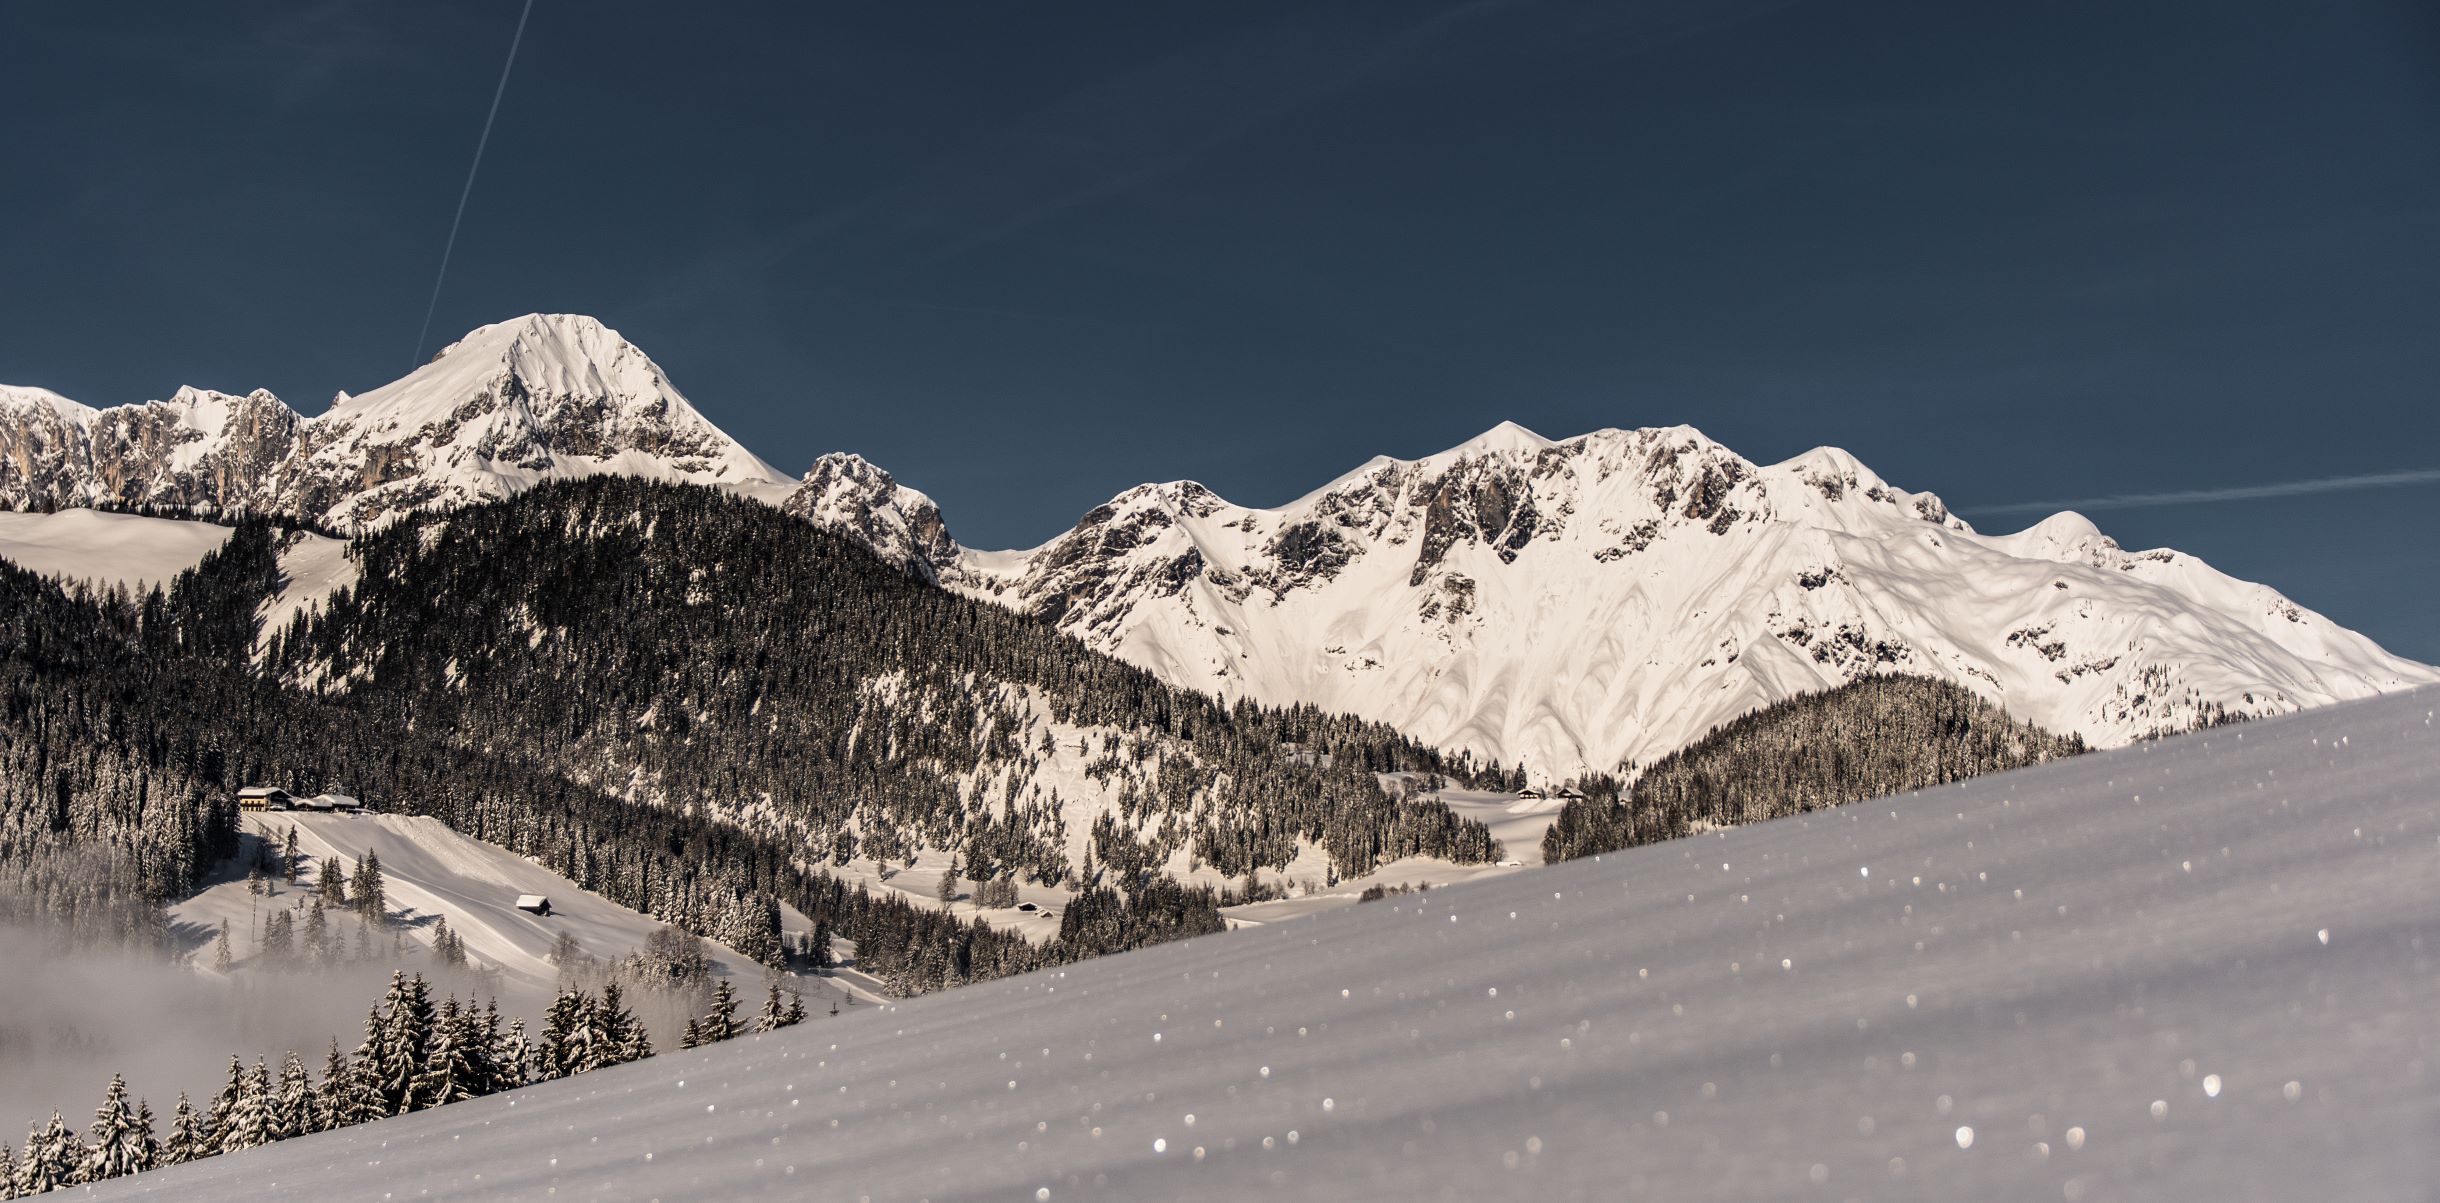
774, 1013
329, 1105
115, 1146
629, 1040
220, 949
720, 1023
250, 1119
53, 1158
330, 883
224, 1105
562, 1037
512, 1059
292, 1101
450, 1073
188, 1138
8, 1170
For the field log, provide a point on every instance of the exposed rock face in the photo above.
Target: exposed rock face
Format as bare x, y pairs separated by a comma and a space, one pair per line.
857, 499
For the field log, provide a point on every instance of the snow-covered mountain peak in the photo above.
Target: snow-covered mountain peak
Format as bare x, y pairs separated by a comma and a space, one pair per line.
18, 399
1603, 599
510, 404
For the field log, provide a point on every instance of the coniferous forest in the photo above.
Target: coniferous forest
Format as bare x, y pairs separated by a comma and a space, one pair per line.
690, 704
1870, 738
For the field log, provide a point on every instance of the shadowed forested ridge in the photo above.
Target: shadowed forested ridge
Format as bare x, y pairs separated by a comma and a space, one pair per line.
1873, 737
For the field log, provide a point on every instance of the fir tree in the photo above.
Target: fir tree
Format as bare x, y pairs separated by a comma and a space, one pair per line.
328, 1107
189, 1139
54, 1158
371, 895
720, 1023
512, 1058
774, 1013
220, 949
116, 1145
693, 1036
622, 1035
250, 1118
560, 1052
330, 883
288, 855
455, 1067
8, 1170
224, 1106
292, 1101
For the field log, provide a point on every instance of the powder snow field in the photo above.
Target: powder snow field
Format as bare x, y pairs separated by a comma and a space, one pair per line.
2203, 968
105, 549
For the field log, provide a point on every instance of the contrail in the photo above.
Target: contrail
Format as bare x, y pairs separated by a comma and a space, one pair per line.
2285, 488
468, 190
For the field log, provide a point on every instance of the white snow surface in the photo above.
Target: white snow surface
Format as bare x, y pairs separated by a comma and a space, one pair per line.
2201, 968
1600, 601
105, 549
431, 872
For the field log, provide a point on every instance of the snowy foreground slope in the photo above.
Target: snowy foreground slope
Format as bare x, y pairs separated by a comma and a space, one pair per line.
2197, 969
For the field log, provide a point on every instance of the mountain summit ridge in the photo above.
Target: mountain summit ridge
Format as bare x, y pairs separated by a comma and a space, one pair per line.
1583, 603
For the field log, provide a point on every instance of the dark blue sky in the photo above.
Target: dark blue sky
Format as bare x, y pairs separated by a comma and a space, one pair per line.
1026, 255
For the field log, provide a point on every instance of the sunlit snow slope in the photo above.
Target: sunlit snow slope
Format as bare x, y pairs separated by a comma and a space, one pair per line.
103, 549
432, 873
2202, 968
1592, 601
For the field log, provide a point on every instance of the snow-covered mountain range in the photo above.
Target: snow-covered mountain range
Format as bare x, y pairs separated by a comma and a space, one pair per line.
541, 397
1576, 604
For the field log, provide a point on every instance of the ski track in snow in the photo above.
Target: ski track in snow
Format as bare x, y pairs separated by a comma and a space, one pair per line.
2202, 968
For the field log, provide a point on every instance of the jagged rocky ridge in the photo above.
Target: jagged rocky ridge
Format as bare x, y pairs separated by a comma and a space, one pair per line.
1584, 604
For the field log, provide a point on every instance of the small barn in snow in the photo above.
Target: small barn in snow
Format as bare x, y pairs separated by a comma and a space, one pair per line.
534, 904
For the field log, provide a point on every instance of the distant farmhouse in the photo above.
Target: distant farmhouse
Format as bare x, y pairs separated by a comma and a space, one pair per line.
272, 797
264, 797
534, 904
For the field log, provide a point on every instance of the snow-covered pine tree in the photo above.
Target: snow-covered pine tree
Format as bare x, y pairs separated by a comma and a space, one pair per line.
326, 1107
188, 1138
621, 1035
330, 883
250, 1117
562, 1037
148, 1140
451, 1073
224, 1105
292, 1100
693, 1036
370, 893
220, 949
8, 1170
404, 1038
53, 1158
512, 1058
795, 1014
317, 933
115, 1146
720, 1023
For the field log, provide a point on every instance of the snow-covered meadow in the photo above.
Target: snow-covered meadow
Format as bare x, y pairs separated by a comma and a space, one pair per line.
2198, 968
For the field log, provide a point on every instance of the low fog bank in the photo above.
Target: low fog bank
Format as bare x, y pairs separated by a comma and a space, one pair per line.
70, 1018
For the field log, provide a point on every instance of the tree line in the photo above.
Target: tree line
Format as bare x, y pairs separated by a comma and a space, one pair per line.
1873, 737
415, 1055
